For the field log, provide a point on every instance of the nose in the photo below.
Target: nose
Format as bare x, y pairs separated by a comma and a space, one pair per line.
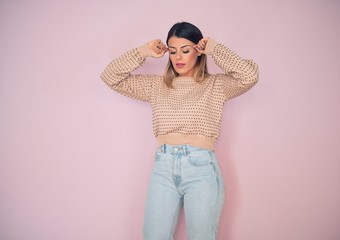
178, 55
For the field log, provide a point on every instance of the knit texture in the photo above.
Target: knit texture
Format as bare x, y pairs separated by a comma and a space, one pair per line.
191, 112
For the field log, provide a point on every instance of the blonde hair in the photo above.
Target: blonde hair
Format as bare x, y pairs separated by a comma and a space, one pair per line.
200, 71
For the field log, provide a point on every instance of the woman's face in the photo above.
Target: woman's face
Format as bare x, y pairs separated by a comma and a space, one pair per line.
182, 56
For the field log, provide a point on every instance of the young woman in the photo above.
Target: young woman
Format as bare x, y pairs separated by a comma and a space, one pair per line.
187, 105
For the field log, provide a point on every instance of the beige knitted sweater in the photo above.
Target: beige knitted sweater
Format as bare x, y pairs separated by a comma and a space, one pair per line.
191, 112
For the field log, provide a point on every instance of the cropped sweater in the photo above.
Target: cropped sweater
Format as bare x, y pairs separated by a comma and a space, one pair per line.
191, 112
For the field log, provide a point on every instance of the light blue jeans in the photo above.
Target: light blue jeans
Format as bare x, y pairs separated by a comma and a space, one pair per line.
186, 176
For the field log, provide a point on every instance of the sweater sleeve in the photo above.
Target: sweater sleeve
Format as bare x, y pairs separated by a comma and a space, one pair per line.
239, 74
117, 75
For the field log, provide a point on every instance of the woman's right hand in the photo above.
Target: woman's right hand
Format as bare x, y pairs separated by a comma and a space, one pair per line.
157, 48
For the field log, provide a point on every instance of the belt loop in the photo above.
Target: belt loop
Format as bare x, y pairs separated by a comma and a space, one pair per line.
186, 150
164, 148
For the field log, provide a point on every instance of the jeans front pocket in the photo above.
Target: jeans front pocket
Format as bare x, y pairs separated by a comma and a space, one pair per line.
162, 165
200, 158
161, 156
198, 170
199, 165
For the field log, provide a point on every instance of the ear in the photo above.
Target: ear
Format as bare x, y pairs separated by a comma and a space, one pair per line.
199, 54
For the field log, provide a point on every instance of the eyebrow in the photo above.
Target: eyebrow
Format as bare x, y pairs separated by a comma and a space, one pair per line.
182, 46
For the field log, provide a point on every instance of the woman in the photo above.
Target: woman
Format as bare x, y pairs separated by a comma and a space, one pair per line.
187, 105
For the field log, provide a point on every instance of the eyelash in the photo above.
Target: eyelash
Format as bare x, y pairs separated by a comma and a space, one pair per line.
185, 52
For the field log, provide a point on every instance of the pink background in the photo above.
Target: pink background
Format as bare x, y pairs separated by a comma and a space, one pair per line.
76, 157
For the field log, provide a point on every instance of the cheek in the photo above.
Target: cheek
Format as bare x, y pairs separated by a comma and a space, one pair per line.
171, 58
192, 58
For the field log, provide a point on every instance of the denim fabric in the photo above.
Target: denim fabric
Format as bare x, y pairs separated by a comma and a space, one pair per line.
189, 177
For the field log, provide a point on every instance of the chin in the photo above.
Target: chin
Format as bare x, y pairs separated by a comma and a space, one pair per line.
181, 73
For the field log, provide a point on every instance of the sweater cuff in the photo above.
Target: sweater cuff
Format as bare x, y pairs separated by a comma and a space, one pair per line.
144, 51
209, 48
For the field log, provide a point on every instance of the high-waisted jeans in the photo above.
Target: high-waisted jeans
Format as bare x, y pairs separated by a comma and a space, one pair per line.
186, 176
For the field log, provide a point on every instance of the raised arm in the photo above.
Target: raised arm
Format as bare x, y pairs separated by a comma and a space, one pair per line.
118, 73
240, 74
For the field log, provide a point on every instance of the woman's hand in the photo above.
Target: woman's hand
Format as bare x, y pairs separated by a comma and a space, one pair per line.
200, 46
157, 48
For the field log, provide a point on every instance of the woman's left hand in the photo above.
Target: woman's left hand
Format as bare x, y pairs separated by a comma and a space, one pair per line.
200, 46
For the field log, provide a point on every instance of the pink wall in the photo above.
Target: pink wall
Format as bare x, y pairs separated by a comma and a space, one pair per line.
75, 157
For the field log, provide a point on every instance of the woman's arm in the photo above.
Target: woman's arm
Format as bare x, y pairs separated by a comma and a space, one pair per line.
117, 75
240, 74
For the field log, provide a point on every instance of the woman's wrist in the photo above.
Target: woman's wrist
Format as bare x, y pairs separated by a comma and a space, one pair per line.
209, 48
144, 51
